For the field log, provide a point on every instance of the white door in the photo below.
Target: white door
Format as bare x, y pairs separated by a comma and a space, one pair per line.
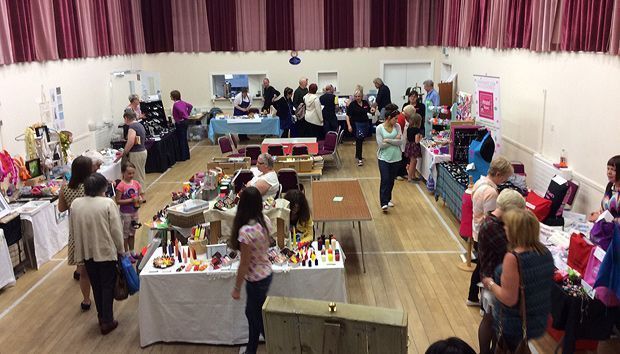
400, 76
446, 71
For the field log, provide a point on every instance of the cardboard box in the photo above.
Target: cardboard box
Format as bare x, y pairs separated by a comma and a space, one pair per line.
301, 163
230, 165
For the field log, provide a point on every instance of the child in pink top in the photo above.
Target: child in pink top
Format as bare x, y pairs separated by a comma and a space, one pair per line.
129, 195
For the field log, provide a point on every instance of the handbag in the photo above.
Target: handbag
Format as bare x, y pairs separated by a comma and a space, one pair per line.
579, 251
300, 112
522, 348
601, 234
538, 205
121, 292
130, 275
361, 130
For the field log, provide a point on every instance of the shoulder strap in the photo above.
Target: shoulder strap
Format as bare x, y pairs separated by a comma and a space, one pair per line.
522, 309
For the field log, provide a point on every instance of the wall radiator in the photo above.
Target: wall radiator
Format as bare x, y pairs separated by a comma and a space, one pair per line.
542, 173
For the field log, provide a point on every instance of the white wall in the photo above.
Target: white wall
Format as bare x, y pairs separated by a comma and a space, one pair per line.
579, 112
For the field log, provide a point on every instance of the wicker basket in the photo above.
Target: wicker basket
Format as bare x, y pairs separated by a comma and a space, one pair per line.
186, 220
200, 247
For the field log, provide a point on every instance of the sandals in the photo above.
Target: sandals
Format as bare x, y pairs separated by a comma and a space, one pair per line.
76, 275
85, 307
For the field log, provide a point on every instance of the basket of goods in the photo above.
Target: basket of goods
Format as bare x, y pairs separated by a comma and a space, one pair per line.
188, 213
163, 262
199, 239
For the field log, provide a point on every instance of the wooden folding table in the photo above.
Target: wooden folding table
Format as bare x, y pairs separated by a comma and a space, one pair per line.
352, 207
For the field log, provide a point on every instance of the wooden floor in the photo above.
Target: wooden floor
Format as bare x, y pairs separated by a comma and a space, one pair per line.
411, 258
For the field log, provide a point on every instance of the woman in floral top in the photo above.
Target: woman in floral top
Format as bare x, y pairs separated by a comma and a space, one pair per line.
251, 235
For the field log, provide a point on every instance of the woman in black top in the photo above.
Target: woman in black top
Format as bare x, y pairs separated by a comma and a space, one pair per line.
284, 111
420, 108
358, 122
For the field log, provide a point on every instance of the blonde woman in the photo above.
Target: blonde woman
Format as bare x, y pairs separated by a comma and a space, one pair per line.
528, 264
358, 122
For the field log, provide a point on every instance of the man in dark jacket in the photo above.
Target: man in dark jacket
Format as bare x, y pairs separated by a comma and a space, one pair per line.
300, 92
383, 97
269, 95
329, 101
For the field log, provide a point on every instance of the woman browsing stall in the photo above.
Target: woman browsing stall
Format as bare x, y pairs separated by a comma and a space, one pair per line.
358, 122
390, 139
300, 218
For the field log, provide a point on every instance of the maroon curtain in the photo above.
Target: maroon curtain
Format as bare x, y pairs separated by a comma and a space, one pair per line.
479, 23
222, 25
67, 34
100, 12
279, 17
127, 21
20, 19
338, 24
436, 25
388, 23
586, 25
519, 26
157, 24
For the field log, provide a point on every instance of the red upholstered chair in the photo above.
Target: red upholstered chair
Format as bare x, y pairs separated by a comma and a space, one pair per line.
275, 150
321, 143
300, 150
329, 150
226, 146
235, 142
289, 180
242, 177
252, 151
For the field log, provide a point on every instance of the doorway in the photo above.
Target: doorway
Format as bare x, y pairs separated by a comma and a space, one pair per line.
400, 75
446, 72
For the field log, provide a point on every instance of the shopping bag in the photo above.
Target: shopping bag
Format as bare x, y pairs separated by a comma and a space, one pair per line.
361, 130
538, 205
579, 252
589, 276
131, 277
601, 234
121, 292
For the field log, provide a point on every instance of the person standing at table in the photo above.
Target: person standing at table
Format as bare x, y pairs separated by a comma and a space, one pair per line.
251, 235
242, 103
135, 151
181, 111
314, 115
431, 94
358, 122
284, 111
420, 108
390, 139
329, 101
95, 223
134, 105
269, 95
300, 92
383, 97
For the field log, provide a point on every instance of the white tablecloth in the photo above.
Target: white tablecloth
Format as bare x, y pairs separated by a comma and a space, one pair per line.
50, 231
426, 164
196, 307
7, 277
112, 171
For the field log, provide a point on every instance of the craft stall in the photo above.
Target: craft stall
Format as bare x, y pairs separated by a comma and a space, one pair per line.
252, 125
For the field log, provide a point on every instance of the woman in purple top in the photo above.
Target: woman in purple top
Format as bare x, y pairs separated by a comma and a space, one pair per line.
180, 112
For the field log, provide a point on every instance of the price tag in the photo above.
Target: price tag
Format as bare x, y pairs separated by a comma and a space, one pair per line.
588, 289
599, 253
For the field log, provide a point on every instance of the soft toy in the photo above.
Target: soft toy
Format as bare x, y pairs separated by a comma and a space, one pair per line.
21, 168
31, 145
9, 167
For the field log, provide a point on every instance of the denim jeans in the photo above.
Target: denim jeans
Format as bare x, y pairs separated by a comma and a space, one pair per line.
256, 295
388, 171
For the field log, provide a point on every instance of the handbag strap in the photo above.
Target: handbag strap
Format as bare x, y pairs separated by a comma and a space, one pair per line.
522, 309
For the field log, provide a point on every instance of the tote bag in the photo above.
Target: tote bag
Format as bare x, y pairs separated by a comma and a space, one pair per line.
121, 292
129, 272
579, 251
361, 130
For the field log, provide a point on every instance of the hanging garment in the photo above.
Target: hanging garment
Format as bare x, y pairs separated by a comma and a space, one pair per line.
481, 154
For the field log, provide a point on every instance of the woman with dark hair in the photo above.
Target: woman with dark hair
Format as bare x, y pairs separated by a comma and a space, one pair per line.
300, 217
389, 140
314, 114
96, 224
181, 111
452, 345
251, 235
80, 169
135, 150
284, 111
611, 198
413, 99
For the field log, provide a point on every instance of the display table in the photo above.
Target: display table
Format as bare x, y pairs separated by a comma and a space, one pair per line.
196, 307
427, 164
288, 143
162, 154
250, 126
111, 171
47, 229
352, 207
450, 190
7, 277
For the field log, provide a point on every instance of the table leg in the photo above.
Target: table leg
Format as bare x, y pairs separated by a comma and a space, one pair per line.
280, 233
215, 231
359, 228
323, 229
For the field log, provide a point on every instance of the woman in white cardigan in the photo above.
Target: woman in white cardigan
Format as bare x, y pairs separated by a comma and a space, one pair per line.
314, 115
96, 225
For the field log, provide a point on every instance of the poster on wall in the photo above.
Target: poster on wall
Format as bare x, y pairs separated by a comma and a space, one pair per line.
57, 108
486, 106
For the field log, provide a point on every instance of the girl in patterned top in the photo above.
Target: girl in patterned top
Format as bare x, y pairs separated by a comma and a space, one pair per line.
80, 169
611, 198
251, 235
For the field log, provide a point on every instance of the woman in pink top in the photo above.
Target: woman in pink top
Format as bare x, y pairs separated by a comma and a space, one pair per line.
251, 234
181, 111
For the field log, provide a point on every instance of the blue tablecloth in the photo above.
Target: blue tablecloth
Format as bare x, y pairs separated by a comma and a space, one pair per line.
267, 126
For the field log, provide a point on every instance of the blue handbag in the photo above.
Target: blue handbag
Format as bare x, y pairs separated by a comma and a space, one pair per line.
131, 277
361, 130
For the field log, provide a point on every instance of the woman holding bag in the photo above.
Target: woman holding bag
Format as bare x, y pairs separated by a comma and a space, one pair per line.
358, 122
522, 283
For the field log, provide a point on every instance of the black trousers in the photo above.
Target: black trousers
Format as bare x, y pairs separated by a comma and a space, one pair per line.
402, 169
181, 132
330, 125
474, 290
102, 279
256, 296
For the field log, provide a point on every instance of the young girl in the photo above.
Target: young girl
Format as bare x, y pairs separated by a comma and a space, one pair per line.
300, 214
413, 150
129, 195
250, 234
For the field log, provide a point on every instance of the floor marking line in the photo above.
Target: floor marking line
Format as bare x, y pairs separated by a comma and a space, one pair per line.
165, 172
443, 221
406, 252
36, 285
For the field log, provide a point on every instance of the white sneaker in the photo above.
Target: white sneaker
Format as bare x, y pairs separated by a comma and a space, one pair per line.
390, 204
384, 208
399, 178
360, 163
472, 303
242, 349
